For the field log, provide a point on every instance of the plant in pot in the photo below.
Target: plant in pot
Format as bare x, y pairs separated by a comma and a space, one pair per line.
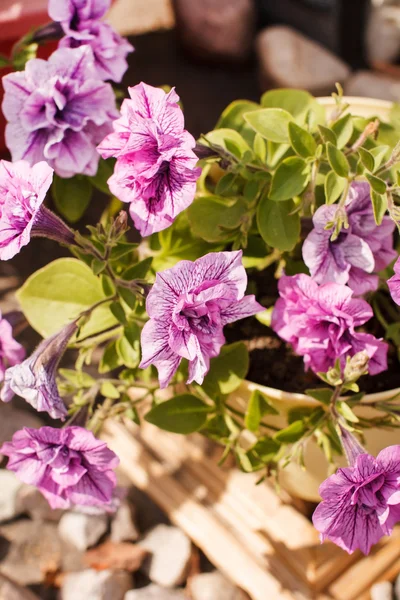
293, 201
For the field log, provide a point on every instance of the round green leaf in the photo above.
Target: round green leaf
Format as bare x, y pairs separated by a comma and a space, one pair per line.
229, 139
367, 159
377, 184
58, 293
343, 129
302, 142
337, 160
290, 179
334, 186
232, 118
182, 414
72, 196
277, 226
271, 123
379, 205
299, 103
227, 370
211, 217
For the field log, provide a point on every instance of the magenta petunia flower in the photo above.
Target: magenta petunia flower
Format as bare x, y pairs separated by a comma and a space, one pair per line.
35, 378
22, 214
58, 111
188, 307
320, 322
361, 503
11, 352
156, 166
69, 466
80, 22
394, 282
359, 252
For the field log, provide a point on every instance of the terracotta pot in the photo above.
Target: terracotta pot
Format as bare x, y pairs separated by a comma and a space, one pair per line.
305, 483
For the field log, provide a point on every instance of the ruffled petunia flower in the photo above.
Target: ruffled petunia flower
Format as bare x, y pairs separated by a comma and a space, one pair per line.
359, 252
80, 22
394, 282
188, 307
11, 352
320, 320
58, 111
69, 466
361, 503
22, 214
156, 167
35, 378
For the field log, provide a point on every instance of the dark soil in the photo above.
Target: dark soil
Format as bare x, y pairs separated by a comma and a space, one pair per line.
273, 362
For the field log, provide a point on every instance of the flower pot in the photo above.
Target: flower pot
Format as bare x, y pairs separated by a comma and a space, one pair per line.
305, 483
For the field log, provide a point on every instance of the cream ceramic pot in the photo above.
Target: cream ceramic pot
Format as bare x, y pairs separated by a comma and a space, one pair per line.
305, 483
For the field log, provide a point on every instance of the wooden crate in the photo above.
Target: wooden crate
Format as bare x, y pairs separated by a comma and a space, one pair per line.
261, 541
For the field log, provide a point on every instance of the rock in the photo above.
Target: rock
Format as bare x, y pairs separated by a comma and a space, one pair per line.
96, 585
209, 586
155, 592
9, 486
123, 527
216, 30
33, 503
33, 549
289, 59
382, 35
82, 530
382, 591
10, 590
372, 85
170, 552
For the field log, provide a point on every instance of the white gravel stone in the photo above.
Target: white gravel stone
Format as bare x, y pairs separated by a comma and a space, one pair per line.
170, 552
96, 585
382, 591
210, 586
155, 592
123, 527
33, 503
372, 85
82, 530
9, 486
289, 59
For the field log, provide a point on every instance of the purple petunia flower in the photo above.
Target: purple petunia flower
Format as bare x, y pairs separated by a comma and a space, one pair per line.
35, 378
394, 282
188, 307
80, 22
320, 321
11, 352
58, 110
22, 214
69, 466
361, 503
156, 166
359, 252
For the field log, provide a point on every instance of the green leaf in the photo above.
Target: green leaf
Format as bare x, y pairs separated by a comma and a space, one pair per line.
58, 293
225, 184
72, 196
232, 118
110, 359
127, 296
379, 153
108, 390
377, 184
107, 285
299, 413
290, 434
257, 407
260, 148
271, 123
118, 312
182, 414
227, 370
212, 217
343, 129
379, 205
4, 61
277, 226
327, 134
334, 186
367, 159
346, 412
230, 140
122, 249
302, 142
138, 271
98, 266
265, 317
337, 160
290, 179
300, 104
128, 346
104, 172
77, 378
266, 448
323, 395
